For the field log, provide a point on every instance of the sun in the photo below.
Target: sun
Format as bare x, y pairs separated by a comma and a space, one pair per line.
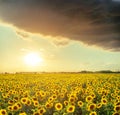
33, 59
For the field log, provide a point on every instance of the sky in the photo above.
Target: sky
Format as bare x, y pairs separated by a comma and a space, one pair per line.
68, 35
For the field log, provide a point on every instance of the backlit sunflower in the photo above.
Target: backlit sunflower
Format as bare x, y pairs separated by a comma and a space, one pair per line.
3, 112
89, 98
36, 103
70, 109
36, 113
49, 105
71, 99
99, 105
42, 111
10, 108
24, 100
66, 103
116, 113
10, 102
58, 106
104, 101
117, 108
80, 103
91, 107
50, 99
15, 107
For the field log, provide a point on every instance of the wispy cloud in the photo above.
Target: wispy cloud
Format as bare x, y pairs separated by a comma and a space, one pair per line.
93, 22
24, 35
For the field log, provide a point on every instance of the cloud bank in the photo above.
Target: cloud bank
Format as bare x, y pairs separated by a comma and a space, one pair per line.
93, 22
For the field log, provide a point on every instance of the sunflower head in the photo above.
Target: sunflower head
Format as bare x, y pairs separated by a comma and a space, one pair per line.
58, 106
70, 109
41, 110
91, 107
99, 105
80, 103
117, 108
3, 112
104, 101
89, 98
116, 113
66, 103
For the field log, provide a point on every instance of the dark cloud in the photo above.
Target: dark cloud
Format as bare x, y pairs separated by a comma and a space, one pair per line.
94, 22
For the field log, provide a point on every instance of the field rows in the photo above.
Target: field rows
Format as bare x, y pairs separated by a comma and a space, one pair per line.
59, 94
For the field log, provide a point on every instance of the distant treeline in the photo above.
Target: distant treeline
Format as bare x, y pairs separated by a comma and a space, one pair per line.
84, 71
102, 71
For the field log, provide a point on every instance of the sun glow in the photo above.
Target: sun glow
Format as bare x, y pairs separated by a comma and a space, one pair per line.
33, 59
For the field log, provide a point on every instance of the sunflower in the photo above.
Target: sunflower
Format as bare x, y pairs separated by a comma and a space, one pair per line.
99, 105
34, 99
116, 113
80, 103
50, 99
16, 98
91, 107
4, 95
13, 92
99, 92
56, 92
64, 90
42, 93
62, 95
3, 112
89, 98
54, 96
36, 113
58, 106
73, 95
118, 103
104, 101
118, 97
68, 95
10, 108
1, 89
49, 105
15, 107
41, 111
66, 103
116, 91
117, 108
93, 113
36, 103
93, 95
112, 95
24, 100
70, 109
72, 103
10, 102
19, 105
37, 93
71, 99
28, 102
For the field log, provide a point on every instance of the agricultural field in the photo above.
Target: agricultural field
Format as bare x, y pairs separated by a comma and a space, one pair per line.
60, 94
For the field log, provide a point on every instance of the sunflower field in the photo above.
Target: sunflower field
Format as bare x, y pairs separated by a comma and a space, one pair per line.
60, 94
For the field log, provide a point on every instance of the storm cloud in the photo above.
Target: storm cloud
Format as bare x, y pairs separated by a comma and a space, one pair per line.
93, 22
